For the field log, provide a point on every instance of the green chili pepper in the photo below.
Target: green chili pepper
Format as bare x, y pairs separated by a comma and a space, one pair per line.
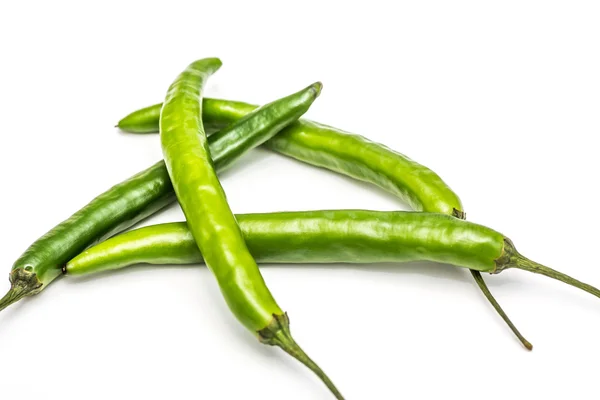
331, 236
345, 153
141, 196
334, 149
209, 217
149, 191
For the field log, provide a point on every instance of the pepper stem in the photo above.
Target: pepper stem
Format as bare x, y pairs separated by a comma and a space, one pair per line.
513, 259
486, 291
489, 296
22, 283
277, 333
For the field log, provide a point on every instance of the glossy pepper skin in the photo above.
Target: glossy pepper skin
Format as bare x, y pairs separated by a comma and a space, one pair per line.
336, 236
203, 200
348, 154
138, 197
334, 149
209, 217
327, 236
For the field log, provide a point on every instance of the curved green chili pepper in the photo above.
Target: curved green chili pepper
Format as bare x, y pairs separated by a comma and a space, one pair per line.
334, 149
209, 217
324, 236
329, 236
345, 153
138, 197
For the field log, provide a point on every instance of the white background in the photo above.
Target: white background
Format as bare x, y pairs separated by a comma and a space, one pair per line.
501, 100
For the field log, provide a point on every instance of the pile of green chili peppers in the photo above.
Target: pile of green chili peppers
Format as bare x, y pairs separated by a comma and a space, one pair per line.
202, 136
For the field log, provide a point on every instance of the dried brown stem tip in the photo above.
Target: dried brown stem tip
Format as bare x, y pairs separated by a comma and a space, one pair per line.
486, 291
